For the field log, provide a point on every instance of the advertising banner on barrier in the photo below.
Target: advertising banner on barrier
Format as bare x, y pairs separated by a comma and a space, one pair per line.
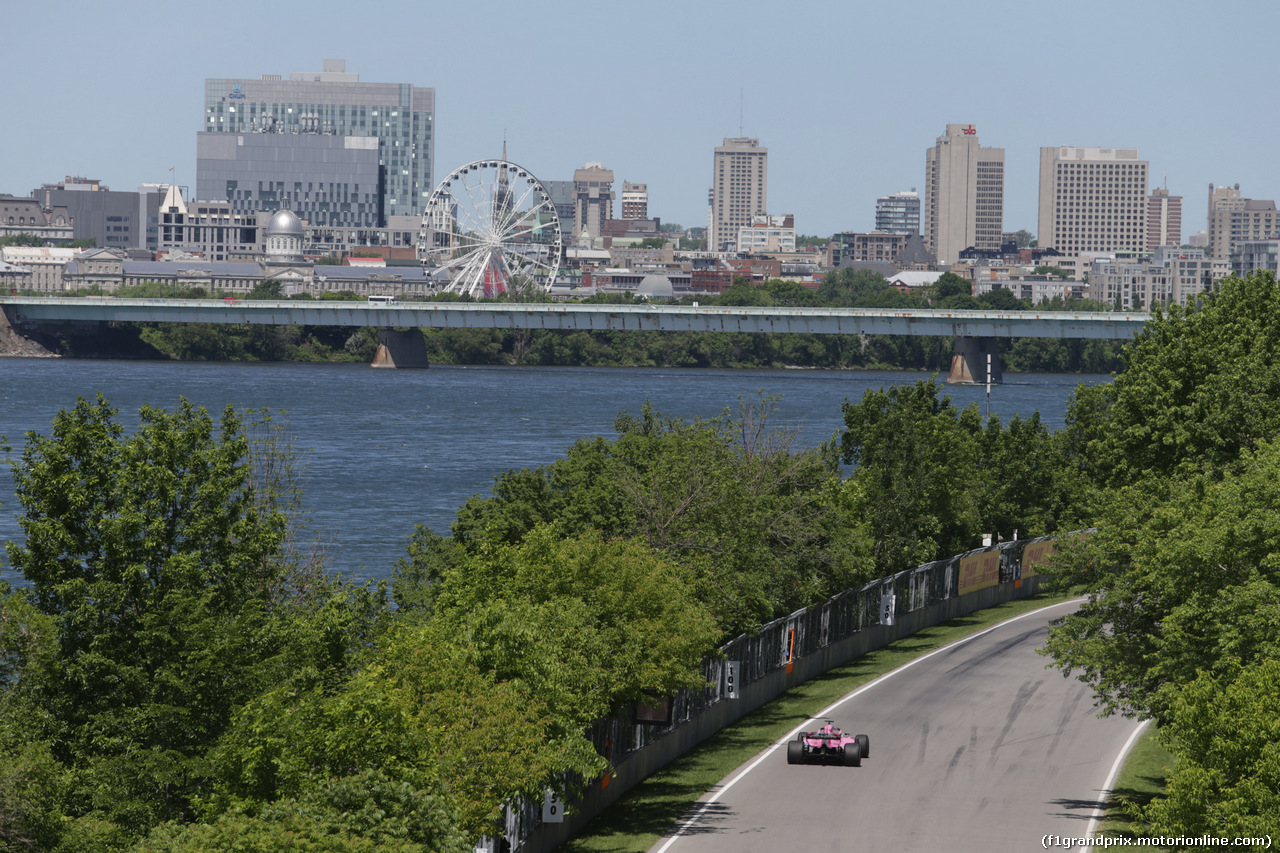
1034, 555
979, 571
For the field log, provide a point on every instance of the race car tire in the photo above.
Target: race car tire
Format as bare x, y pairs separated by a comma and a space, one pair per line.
852, 755
795, 752
800, 737
864, 744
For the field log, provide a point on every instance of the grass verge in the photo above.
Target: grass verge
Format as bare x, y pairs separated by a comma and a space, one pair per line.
1141, 779
639, 819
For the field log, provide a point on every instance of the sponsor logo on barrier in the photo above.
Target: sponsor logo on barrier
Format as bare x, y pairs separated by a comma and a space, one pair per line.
979, 571
1036, 554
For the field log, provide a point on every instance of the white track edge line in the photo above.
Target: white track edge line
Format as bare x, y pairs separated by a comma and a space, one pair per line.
702, 807
1111, 779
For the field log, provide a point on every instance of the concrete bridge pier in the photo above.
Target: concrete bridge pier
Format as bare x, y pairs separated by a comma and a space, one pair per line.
969, 361
401, 349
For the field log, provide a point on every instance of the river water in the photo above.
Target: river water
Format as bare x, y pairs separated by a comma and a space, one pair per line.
385, 449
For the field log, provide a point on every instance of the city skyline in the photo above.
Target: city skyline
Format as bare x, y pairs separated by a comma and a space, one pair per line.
1144, 75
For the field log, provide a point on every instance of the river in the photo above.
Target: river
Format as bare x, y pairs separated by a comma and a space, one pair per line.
384, 450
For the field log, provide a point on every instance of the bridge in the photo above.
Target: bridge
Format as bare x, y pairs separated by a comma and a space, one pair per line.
975, 331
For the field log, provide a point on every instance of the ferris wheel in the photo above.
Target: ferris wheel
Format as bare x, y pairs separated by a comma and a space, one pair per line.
490, 227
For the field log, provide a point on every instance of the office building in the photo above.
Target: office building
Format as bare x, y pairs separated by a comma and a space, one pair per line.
898, 213
1164, 219
635, 200
334, 102
592, 199
1234, 220
208, 230
964, 194
739, 190
110, 219
329, 180
1092, 200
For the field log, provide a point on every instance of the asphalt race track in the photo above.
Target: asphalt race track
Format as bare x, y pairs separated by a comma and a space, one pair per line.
976, 747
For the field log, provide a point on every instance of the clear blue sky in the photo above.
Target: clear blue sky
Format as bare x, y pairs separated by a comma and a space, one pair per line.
846, 95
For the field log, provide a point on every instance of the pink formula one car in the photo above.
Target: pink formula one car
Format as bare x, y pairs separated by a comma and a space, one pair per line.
829, 744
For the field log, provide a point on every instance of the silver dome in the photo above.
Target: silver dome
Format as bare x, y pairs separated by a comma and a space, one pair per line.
285, 223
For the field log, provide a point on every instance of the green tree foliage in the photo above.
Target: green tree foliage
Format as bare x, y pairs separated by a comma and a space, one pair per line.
953, 292
999, 299
1182, 621
1226, 734
489, 698
162, 595
1182, 577
1045, 269
847, 288
268, 288
1023, 238
23, 239
1196, 387
934, 478
915, 456
730, 500
602, 623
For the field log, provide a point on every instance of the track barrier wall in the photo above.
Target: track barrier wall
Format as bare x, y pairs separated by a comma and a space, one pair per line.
778, 656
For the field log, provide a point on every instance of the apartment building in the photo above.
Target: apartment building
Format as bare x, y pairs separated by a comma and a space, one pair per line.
739, 190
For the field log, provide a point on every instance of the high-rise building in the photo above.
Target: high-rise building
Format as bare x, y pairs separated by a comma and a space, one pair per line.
331, 102
1164, 219
739, 189
635, 200
329, 180
898, 213
1234, 220
1092, 200
964, 194
592, 199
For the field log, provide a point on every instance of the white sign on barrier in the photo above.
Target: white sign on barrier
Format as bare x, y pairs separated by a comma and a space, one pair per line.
552, 808
888, 603
731, 679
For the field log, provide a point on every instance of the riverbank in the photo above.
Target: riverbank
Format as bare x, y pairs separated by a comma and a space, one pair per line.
13, 345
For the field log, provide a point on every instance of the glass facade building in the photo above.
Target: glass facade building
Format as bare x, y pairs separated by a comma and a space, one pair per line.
898, 213
329, 180
332, 103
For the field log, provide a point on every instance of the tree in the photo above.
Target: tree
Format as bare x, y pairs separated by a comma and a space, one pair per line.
23, 239
1226, 735
268, 288
162, 595
1182, 578
1200, 386
1000, 299
1050, 270
915, 454
728, 499
952, 291
1023, 238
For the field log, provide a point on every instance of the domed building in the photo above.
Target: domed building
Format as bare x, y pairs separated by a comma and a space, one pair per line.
284, 260
284, 235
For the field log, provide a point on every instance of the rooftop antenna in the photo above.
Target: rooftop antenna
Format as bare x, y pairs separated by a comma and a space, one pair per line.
740, 100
